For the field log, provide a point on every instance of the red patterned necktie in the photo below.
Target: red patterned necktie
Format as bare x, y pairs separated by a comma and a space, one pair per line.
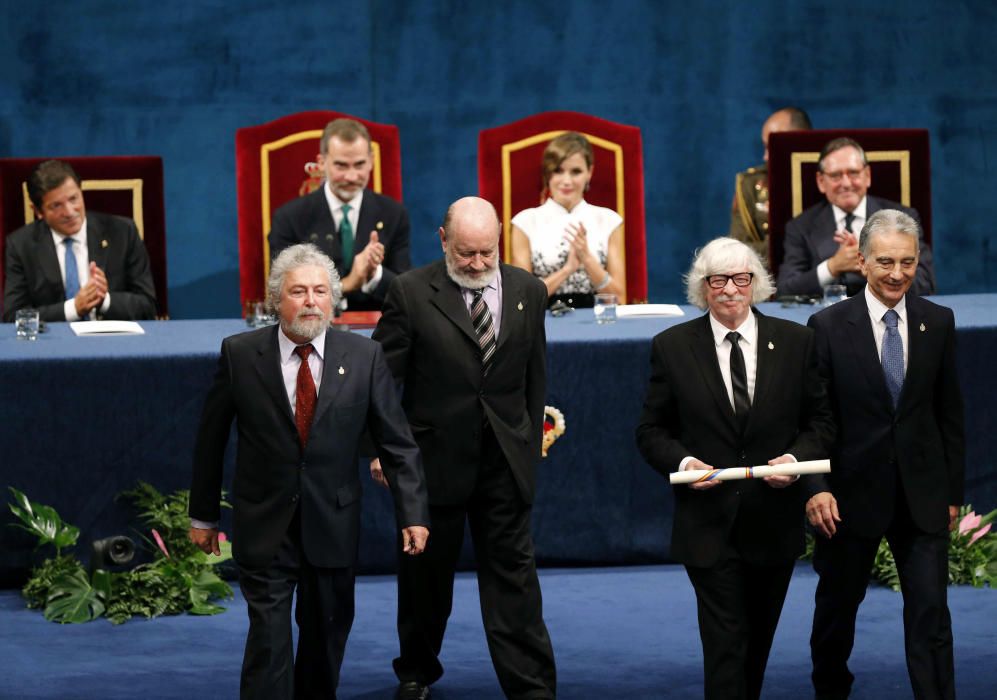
304, 403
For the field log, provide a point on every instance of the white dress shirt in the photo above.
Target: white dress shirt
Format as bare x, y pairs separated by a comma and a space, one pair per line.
82, 253
876, 311
336, 209
492, 295
824, 276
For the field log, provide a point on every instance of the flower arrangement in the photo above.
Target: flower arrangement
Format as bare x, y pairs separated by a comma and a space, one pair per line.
180, 578
972, 553
553, 428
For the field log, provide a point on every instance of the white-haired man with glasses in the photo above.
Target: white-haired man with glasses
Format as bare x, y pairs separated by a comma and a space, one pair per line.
735, 388
822, 245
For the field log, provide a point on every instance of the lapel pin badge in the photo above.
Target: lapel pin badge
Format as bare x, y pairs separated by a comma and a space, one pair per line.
379, 225
519, 306
341, 370
771, 345
923, 329
103, 243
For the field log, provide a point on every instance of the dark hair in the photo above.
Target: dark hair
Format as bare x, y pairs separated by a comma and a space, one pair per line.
561, 148
798, 119
836, 145
346, 130
47, 176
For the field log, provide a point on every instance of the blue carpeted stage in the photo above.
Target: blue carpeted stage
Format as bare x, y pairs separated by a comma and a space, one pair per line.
618, 633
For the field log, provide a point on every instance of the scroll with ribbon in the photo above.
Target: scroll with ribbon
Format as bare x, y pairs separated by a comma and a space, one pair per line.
691, 476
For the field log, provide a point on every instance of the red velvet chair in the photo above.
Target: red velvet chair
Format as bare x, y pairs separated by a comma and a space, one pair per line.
509, 176
275, 162
130, 186
899, 159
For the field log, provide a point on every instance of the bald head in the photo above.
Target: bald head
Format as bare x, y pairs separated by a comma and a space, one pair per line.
785, 119
470, 236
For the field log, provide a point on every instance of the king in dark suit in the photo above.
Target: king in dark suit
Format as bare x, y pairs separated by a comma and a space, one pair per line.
735, 388
465, 336
820, 245
103, 272
369, 240
303, 396
888, 359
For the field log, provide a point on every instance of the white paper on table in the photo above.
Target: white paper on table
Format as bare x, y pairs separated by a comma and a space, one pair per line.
815, 466
642, 310
106, 328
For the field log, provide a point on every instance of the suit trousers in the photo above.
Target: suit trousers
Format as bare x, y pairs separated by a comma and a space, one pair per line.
844, 564
324, 614
738, 605
509, 590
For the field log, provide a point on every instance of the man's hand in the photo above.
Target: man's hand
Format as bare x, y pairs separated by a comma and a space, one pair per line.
91, 295
375, 254
414, 539
822, 512
953, 517
701, 485
781, 482
846, 259
205, 540
377, 474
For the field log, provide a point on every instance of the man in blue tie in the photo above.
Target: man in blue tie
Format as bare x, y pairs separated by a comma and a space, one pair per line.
888, 358
71, 264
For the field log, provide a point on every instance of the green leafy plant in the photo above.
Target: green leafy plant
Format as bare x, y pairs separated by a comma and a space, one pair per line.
180, 578
972, 553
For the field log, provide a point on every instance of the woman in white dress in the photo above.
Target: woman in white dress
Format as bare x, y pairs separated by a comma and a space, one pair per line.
576, 248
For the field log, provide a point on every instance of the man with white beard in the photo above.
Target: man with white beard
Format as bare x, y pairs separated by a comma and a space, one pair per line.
465, 336
302, 396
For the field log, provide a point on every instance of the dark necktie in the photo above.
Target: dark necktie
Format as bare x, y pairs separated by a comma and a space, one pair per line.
72, 272
892, 356
849, 218
738, 380
304, 402
346, 238
481, 319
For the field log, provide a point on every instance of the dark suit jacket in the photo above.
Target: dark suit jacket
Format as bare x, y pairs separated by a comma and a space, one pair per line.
308, 220
432, 348
922, 442
32, 277
809, 241
687, 413
273, 477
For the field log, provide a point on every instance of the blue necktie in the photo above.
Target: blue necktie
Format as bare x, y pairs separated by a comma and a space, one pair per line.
72, 273
893, 356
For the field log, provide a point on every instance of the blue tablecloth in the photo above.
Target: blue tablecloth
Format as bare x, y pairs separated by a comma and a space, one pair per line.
83, 418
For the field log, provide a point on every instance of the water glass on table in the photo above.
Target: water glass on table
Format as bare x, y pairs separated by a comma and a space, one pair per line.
605, 308
834, 293
26, 324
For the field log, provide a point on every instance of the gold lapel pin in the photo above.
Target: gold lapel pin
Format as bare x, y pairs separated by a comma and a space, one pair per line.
342, 371
771, 345
379, 225
520, 306
923, 329
103, 243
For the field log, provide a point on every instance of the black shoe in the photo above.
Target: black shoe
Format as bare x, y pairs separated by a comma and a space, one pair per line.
412, 690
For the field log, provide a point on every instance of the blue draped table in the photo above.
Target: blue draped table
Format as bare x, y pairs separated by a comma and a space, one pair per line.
84, 418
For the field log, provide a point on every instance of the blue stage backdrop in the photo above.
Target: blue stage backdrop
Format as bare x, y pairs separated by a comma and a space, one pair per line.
177, 79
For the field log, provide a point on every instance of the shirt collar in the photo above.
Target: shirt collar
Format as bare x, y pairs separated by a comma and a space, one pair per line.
286, 345
859, 212
748, 330
80, 236
336, 204
878, 308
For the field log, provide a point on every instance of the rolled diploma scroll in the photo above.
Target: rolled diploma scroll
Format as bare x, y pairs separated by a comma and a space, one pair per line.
815, 466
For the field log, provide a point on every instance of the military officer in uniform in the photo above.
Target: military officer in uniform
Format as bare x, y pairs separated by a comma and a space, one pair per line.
749, 216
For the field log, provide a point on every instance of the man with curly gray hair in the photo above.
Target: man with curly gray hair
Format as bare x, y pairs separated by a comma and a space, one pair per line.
735, 388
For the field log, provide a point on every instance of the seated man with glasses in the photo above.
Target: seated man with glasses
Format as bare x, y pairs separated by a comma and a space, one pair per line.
735, 388
821, 244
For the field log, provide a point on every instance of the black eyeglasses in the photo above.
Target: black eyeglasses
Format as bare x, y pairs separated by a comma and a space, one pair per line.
741, 279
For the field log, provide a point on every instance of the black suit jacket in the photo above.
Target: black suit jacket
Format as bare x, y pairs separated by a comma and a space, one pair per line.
308, 220
687, 412
432, 348
809, 241
32, 277
922, 442
273, 477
